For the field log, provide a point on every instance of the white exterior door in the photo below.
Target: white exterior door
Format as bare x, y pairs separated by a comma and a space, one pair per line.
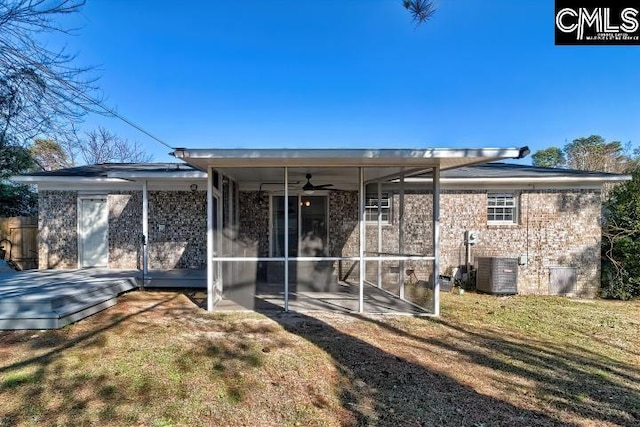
93, 232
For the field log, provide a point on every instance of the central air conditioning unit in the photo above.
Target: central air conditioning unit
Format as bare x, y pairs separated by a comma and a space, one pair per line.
497, 276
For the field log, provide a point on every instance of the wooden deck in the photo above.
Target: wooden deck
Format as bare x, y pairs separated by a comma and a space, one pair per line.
51, 299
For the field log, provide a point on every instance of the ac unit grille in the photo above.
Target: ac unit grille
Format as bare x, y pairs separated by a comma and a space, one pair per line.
497, 275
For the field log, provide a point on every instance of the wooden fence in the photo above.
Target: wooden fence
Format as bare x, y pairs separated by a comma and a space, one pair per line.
19, 241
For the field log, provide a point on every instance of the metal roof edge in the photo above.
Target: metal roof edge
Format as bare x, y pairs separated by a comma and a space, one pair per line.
361, 153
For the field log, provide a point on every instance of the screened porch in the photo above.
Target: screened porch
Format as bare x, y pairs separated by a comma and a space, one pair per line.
326, 229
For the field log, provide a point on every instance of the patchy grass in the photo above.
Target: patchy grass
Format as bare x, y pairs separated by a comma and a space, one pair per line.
155, 359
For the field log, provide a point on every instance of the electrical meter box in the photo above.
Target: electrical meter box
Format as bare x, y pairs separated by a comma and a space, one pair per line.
471, 237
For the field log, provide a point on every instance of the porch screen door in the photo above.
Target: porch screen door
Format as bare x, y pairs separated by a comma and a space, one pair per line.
93, 219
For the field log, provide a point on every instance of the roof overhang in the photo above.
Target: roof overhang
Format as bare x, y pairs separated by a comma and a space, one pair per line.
445, 158
598, 180
188, 175
112, 177
36, 179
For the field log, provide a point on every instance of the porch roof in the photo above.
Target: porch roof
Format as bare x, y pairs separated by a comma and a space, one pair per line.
445, 158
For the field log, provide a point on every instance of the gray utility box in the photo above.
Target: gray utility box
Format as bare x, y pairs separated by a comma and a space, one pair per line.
498, 276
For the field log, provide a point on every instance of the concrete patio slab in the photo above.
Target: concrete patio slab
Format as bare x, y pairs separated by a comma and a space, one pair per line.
269, 297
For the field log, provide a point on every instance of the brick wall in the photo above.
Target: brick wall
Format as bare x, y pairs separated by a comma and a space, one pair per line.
343, 223
177, 229
253, 209
57, 225
554, 228
125, 229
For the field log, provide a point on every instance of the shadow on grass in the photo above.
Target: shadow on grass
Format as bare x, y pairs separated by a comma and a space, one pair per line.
152, 360
387, 390
50, 391
54, 339
571, 379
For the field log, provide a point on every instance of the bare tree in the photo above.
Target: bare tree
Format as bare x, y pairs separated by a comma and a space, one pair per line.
102, 146
41, 90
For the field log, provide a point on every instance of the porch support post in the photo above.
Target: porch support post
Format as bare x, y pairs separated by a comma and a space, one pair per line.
210, 249
379, 233
401, 234
145, 232
436, 240
286, 239
361, 223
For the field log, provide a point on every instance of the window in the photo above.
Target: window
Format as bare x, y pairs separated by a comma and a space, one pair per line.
501, 208
371, 208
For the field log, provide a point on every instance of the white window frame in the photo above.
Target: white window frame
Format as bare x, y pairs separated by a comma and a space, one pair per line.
371, 210
510, 201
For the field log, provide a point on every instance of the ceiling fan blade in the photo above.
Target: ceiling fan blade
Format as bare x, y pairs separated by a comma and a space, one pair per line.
310, 187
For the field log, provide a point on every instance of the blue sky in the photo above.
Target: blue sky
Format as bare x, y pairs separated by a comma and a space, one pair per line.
352, 74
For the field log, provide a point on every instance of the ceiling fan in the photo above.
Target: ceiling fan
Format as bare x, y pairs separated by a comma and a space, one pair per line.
309, 187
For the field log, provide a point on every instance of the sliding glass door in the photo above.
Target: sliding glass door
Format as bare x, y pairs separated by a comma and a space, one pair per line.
307, 226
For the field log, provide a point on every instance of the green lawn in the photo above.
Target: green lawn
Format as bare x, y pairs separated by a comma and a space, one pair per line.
155, 359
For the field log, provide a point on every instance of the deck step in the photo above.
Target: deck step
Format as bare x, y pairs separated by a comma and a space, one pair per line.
55, 320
